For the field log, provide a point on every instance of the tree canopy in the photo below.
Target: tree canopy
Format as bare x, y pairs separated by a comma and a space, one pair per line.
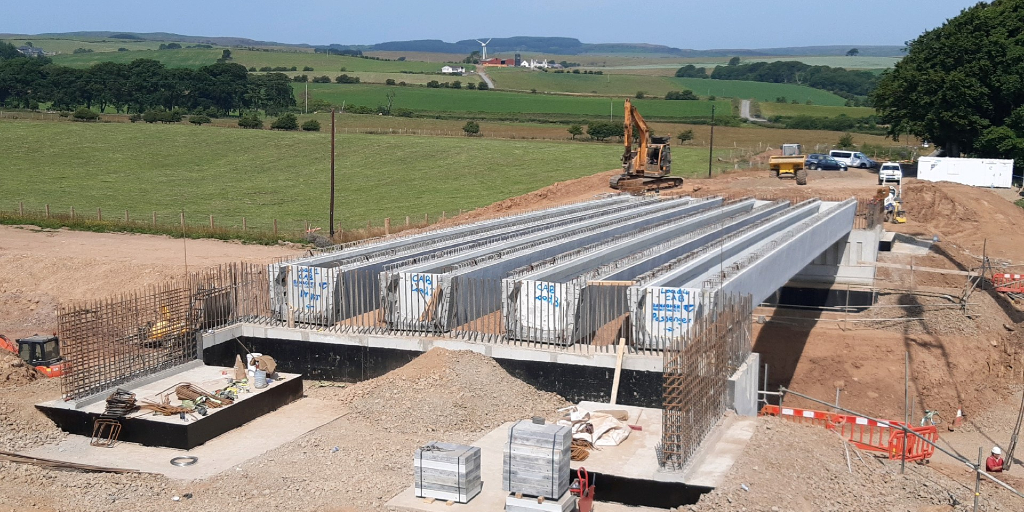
962, 85
138, 86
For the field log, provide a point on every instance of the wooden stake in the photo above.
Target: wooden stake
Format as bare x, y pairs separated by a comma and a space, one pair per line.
618, 371
183, 221
154, 219
387, 226
127, 218
47, 211
99, 214
275, 227
72, 213
406, 221
211, 221
21, 210
243, 223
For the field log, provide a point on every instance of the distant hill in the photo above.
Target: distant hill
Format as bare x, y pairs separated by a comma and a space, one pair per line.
550, 45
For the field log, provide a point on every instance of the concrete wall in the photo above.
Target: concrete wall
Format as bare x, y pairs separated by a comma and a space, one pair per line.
356, 357
851, 260
742, 388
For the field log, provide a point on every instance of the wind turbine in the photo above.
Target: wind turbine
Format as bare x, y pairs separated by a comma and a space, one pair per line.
484, 45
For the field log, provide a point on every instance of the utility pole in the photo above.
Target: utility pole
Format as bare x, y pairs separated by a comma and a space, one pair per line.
332, 174
711, 145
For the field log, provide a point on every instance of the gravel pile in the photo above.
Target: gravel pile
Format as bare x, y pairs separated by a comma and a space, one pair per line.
448, 391
21, 425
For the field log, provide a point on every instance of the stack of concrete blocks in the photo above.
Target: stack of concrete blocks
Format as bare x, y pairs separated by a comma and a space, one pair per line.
535, 467
449, 472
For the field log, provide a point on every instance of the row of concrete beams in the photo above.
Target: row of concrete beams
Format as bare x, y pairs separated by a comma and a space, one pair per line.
423, 297
307, 286
565, 301
367, 247
755, 263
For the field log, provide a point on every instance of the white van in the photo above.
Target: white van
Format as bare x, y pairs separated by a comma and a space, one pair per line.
852, 158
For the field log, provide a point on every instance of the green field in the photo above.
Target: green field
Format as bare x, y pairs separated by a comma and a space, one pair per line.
628, 85
769, 109
193, 58
265, 175
464, 100
833, 61
97, 45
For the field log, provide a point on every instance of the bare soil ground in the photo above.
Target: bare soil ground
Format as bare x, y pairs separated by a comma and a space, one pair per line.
971, 363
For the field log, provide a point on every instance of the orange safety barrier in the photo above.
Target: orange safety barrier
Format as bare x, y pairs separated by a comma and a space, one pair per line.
866, 434
1013, 283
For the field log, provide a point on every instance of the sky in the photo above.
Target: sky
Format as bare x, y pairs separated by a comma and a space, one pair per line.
683, 24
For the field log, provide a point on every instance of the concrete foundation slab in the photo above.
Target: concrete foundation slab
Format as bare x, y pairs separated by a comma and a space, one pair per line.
222, 453
171, 431
628, 477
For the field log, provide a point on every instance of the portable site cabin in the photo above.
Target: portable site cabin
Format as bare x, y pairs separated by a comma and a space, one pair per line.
977, 172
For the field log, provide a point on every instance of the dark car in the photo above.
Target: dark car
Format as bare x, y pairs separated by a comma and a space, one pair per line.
816, 161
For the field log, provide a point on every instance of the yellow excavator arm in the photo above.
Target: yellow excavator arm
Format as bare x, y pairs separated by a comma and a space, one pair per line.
633, 162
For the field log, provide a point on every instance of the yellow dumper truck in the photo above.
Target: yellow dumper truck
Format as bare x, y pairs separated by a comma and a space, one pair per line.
790, 164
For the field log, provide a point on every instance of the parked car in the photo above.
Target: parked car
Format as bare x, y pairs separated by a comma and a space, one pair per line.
817, 161
890, 171
853, 158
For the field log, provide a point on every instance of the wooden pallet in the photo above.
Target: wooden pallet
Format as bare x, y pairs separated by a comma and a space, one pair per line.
536, 460
445, 471
530, 504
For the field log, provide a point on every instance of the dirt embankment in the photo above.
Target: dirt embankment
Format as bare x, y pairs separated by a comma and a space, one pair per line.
41, 268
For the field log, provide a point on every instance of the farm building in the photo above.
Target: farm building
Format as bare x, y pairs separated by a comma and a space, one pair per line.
453, 69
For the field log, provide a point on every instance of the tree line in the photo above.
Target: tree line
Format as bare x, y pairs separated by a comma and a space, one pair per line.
847, 83
961, 85
139, 86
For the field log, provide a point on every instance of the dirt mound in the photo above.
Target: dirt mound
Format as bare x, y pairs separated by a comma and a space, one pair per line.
969, 216
14, 371
449, 391
796, 467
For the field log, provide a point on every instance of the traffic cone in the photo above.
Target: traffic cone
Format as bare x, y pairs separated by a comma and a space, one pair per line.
958, 421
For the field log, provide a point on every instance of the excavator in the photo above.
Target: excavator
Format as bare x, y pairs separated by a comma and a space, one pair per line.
646, 167
42, 352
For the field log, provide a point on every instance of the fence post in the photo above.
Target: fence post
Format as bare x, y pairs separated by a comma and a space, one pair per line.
183, 222
243, 223
47, 211
99, 214
387, 226
426, 219
406, 221
21, 209
211, 221
275, 227
73, 217
154, 219
442, 215
127, 219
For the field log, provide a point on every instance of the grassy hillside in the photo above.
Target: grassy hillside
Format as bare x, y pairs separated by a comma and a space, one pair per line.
463, 100
628, 85
70, 45
263, 175
327, 64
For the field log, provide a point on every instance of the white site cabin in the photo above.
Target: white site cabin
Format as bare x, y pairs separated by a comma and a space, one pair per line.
977, 172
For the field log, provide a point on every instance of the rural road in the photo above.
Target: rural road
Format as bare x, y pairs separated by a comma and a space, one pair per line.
480, 71
745, 112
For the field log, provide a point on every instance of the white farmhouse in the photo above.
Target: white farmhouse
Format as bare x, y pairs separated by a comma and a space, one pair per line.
448, 70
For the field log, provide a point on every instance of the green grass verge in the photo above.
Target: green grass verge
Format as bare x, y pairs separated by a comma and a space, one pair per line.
464, 100
770, 109
321, 63
264, 175
628, 85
